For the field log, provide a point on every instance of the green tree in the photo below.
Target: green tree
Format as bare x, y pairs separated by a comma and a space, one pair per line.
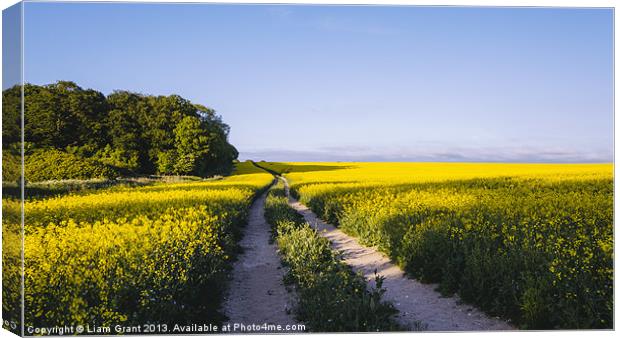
11, 115
192, 145
119, 158
166, 161
136, 133
126, 128
63, 114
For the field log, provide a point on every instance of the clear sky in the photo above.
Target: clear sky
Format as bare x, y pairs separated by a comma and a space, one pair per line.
329, 83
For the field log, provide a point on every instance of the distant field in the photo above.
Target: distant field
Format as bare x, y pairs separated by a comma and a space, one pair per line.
411, 172
529, 242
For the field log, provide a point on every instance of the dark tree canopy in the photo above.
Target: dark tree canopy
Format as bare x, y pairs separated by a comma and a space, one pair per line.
133, 133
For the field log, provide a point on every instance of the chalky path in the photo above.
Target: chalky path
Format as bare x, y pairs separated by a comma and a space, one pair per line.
257, 294
419, 304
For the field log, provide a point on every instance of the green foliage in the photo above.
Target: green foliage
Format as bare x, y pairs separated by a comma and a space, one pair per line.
11, 115
192, 145
332, 298
277, 209
51, 164
246, 167
63, 114
11, 166
166, 162
129, 131
119, 158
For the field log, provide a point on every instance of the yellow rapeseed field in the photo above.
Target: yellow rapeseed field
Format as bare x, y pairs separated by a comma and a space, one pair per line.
154, 254
529, 242
411, 172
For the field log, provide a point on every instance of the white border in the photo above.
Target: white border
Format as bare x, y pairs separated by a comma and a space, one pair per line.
495, 3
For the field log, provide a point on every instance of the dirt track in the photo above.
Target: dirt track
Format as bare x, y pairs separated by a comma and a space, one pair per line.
416, 302
257, 294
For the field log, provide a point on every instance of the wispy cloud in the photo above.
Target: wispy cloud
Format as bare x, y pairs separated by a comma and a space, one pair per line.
456, 154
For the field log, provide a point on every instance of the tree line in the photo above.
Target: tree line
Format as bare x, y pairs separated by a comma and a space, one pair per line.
131, 133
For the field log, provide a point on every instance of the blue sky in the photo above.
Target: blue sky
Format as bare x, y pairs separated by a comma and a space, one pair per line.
328, 83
